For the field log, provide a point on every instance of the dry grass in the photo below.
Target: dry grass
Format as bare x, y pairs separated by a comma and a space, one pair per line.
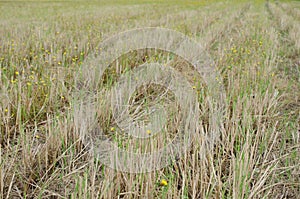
255, 47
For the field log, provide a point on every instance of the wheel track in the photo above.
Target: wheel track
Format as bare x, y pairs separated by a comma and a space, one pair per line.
288, 54
286, 25
294, 11
218, 32
188, 18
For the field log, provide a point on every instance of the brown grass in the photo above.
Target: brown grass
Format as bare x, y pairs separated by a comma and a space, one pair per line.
255, 47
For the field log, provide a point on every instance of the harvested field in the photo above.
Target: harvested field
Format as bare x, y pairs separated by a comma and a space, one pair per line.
53, 96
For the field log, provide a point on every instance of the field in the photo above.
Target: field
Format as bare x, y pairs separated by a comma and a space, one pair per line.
50, 101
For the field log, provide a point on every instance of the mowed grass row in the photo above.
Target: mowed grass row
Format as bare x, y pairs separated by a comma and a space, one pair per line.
43, 47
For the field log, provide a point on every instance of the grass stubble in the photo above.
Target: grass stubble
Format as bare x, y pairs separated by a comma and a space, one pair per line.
255, 47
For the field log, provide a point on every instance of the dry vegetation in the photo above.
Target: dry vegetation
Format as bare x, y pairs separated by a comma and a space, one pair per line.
255, 46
